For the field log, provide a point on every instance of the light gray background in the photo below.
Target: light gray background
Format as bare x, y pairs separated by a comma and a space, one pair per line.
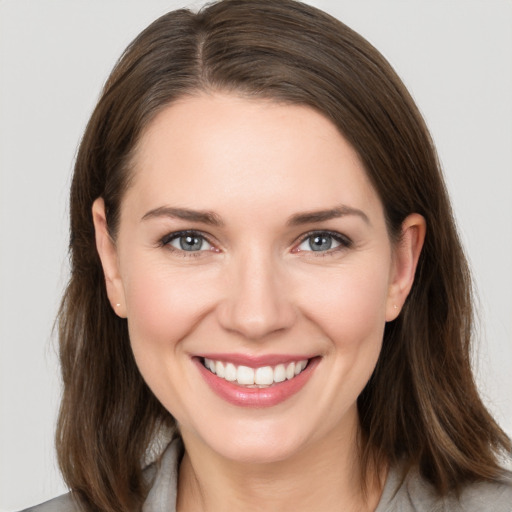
454, 55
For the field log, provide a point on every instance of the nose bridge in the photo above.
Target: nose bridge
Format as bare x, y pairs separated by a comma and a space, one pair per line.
257, 303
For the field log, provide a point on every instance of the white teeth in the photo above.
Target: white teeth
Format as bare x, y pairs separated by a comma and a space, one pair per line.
279, 373
230, 372
219, 369
245, 375
263, 376
300, 366
290, 371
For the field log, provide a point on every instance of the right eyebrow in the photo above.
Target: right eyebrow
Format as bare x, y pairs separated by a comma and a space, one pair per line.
324, 215
203, 216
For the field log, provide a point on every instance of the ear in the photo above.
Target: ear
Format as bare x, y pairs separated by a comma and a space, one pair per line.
405, 260
108, 255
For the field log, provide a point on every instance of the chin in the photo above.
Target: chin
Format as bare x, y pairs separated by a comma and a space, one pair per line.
264, 452
256, 442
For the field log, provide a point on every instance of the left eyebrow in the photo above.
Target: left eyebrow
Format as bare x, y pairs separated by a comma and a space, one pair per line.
206, 217
323, 215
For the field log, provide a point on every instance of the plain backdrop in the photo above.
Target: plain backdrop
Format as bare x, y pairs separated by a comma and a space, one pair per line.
454, 55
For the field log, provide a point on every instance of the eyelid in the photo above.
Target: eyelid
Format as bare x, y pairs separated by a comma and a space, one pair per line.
344, 241
166, 240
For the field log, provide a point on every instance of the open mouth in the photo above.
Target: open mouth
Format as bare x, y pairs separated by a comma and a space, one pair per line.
256, 382
260, 377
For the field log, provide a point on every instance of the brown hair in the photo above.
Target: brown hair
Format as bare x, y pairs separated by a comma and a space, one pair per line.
421, 404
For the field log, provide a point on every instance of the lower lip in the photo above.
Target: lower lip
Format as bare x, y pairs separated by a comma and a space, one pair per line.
256, 397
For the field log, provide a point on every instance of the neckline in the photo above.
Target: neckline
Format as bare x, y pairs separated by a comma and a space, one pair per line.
164, 474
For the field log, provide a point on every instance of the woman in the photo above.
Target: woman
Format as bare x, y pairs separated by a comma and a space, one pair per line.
269, 307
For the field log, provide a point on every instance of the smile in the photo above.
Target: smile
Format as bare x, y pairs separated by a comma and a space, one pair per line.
255, 382
260, 377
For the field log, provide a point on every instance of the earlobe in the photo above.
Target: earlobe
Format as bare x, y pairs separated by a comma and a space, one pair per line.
406, 256
108, 255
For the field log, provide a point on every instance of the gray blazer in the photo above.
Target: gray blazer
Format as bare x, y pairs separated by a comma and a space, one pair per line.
412, 494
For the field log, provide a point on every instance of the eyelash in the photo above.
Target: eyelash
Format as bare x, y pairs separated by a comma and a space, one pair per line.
344, 242
167, 239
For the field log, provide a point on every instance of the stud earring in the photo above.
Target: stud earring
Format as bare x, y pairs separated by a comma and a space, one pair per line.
119, 305
394, 305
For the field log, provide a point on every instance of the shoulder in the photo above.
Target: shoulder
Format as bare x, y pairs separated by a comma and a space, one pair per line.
160, 474
414, 494
491, 496
64, 503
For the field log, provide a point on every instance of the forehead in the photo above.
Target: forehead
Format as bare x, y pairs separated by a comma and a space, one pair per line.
209, 149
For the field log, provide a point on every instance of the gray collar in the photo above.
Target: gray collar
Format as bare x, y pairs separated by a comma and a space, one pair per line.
162, 496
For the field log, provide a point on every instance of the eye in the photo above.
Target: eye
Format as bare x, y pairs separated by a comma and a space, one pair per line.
322, 241
188, 241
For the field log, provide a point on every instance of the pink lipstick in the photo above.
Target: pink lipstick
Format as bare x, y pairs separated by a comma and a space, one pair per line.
262, 381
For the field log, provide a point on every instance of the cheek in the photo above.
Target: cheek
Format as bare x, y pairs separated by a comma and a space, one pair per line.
350, 310
163, 306
350, 304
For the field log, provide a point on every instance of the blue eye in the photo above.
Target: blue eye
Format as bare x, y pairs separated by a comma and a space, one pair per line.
322, 242
188, 242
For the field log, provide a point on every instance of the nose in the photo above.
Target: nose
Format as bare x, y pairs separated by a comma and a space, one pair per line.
257, 301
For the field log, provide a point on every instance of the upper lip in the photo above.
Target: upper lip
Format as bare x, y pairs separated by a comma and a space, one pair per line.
253, 361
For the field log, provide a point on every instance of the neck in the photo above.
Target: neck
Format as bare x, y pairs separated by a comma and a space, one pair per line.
324, 475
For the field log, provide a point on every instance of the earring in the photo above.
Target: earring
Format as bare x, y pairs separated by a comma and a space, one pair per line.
118, 311
394, 305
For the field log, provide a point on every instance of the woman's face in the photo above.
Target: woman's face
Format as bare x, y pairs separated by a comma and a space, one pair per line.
252, 242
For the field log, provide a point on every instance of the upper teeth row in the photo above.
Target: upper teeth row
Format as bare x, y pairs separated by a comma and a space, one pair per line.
263, 376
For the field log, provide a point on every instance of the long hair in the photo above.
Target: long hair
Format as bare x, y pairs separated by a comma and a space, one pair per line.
421, 404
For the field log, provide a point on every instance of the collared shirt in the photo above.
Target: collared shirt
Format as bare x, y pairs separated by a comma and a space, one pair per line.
412, 494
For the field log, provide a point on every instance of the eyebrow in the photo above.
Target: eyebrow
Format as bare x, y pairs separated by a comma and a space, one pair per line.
213, 219
323, 215
203, 216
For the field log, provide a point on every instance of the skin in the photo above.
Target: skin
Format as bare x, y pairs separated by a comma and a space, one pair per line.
257, 288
